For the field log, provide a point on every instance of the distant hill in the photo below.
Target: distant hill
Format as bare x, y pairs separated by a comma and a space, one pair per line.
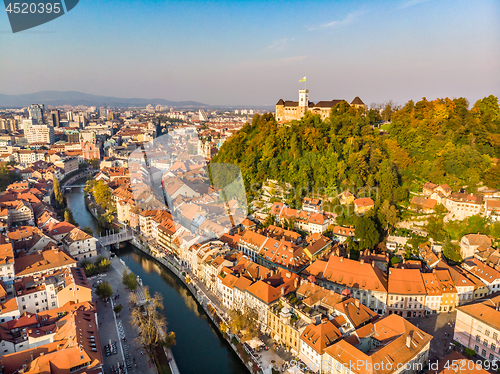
57, 98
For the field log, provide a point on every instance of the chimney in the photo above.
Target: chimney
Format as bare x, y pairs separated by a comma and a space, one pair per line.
356, 302
373, 264
296, 282
282, 291
341, 259
348, 254
361, 261
408, 341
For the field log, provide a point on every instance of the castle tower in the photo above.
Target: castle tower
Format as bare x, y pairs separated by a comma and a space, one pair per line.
304, 98
303, 103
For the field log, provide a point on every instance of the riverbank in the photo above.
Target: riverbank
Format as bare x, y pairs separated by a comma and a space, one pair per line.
201, 347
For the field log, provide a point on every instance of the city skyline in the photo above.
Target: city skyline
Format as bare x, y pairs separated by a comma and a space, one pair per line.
254, 53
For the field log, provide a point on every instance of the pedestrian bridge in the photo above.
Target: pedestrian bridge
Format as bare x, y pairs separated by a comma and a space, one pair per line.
117, 238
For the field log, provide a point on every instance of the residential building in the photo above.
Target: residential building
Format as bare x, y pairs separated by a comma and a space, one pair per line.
263, 293
43, 262
489, 276
286, 327
463, 205
492, 209
6, 262
53, 342
403, 347
433, 293
477, 327
79, 244
472, 243
449, 295
363, 205
314, 340
365, 282
40, 134
407, 293
422, 204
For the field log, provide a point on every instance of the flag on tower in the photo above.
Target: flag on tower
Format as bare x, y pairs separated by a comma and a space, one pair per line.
303, 80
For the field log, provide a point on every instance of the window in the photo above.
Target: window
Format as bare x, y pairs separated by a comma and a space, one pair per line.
495, 336
483, 353
491, 358
479, 328
485, 343
493, 347
487, 333
478, 339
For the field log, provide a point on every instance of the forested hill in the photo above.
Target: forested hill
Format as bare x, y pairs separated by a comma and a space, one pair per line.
442, 141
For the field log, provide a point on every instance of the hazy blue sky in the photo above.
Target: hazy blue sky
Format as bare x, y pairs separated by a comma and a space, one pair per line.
255, 52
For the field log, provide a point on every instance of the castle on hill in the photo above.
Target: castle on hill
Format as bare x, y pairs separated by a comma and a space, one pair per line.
290, 110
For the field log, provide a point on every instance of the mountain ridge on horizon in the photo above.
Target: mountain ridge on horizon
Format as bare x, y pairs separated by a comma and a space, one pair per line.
75, 98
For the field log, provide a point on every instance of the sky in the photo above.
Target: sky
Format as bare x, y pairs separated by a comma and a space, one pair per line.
255, 52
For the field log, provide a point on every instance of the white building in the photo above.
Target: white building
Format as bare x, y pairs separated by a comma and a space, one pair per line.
40, 134
79, 244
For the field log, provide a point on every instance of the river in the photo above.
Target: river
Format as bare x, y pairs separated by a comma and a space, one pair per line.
200, 348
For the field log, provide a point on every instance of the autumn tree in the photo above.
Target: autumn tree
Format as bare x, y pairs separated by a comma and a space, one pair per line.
58, 195
152, 324
68, 217
387, 215
245, 322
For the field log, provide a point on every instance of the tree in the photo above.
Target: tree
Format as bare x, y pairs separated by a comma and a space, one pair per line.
118, 308
129, 280
102, 263
59, 197
88, 230
269, 220
367, 234
395, 260
68, 217
388, 215
8, 175
492, 177
152, 324
104, 290
451, 251
435, 228
245, 322
95, 162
